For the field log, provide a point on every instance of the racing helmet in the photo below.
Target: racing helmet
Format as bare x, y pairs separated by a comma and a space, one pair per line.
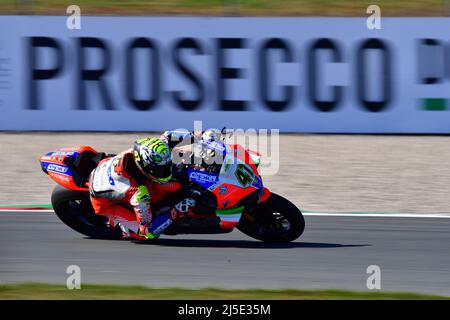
211, 135
153, 157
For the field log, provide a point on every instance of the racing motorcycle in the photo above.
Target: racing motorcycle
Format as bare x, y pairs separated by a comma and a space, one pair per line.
232, 187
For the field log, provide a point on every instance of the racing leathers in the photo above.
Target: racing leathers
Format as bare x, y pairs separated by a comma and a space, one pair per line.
117, 185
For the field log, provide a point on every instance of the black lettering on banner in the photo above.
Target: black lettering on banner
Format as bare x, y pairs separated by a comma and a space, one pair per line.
185, 104
265, 74
35, 74
385, 70
224, 73
429, 64
446, 61
314, 72
154, 71
93, 75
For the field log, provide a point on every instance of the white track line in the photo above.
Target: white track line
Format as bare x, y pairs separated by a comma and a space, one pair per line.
22, 210
381, 215
317, 214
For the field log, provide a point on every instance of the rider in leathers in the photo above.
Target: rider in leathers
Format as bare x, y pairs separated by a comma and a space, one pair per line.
137, 177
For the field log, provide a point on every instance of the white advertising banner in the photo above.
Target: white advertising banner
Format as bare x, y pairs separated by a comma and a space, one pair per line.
327, 75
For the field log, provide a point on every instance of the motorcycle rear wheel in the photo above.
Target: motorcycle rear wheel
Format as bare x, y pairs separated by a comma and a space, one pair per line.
276, 220
75, 210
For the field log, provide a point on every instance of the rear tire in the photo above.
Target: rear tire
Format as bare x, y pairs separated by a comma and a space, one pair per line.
275, 220
75, 210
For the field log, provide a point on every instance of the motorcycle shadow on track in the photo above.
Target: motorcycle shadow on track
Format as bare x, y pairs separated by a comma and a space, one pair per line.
243, 244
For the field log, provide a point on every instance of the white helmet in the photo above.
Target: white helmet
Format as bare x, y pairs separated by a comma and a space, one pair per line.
211, 135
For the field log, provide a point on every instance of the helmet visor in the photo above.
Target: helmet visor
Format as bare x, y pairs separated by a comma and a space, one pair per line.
162, 173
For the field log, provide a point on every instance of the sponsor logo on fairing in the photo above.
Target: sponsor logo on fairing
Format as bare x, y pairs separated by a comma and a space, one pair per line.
202, 177
57, 168
61, 177
223, 190
62, 153
162, 227
214, 145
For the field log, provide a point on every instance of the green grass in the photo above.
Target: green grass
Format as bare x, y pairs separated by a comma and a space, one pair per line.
236, 7
91, 292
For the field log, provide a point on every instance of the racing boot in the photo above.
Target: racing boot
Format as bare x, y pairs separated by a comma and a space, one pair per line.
162, 221
159, 224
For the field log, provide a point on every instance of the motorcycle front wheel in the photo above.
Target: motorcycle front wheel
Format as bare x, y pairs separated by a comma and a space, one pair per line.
275, 220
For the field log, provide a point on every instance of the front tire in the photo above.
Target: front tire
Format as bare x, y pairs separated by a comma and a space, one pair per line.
75, 210
275, 220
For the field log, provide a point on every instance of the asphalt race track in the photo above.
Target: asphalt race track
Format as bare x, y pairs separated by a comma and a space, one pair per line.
334, 252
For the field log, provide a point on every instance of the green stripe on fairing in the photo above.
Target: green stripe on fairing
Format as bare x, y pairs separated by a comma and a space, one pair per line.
40, 205
230, 211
